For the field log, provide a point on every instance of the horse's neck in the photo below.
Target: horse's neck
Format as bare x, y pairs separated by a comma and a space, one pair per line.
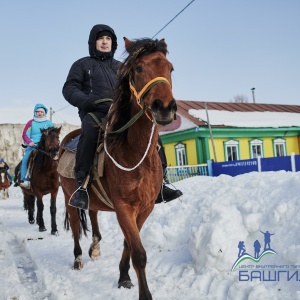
139, 136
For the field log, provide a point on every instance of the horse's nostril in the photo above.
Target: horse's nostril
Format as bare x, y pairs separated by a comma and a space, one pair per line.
156, 105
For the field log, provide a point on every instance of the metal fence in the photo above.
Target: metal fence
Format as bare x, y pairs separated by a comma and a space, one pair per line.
181, 172
237, 167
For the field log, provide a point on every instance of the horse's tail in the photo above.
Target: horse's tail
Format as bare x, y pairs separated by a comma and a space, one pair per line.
83, 222
67, 221
82, 219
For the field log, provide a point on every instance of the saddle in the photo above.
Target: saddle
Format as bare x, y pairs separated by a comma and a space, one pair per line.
67, 163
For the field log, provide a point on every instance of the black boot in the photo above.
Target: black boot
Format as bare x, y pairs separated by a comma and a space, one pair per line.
167, 194
81, 199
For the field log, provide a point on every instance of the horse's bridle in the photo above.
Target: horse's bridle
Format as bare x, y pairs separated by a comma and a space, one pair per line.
139, 99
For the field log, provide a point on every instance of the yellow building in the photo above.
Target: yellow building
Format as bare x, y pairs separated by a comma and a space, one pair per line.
230, 131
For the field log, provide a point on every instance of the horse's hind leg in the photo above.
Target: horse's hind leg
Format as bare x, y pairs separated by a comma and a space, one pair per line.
94, 251
40, 219
54, 230
75, 226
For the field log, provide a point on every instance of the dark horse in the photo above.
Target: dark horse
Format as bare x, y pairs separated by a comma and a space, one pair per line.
132, 175
44, 178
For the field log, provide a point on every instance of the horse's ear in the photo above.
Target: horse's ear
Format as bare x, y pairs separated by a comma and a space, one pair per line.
163, 43
58, 129
128, 43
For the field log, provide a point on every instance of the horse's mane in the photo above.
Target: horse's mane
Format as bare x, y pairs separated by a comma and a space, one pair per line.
120, 111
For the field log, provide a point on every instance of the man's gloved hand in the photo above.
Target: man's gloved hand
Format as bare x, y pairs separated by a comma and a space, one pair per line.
89, 106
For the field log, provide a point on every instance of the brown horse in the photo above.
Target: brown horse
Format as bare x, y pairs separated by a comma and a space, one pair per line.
44, 178
4, 183
132, 175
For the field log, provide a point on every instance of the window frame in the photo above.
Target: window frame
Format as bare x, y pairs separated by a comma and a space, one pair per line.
180, 154
232, 143
256, 142
279, 142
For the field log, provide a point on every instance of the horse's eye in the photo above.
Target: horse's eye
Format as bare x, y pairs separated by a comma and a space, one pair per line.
172, 69
139, 69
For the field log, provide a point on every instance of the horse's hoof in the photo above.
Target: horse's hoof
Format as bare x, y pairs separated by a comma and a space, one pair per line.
56, 233
31, 221
125, 284
95, 253
78, 265
42, 228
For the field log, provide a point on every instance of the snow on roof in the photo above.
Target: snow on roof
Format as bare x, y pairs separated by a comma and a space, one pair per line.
247, 119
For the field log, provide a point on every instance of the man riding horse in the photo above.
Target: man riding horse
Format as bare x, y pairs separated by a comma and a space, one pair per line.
90, 87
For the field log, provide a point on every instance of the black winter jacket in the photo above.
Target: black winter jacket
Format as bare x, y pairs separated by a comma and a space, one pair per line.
94, 77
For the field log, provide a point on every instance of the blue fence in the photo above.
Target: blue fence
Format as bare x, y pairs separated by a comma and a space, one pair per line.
181, 172
233, 168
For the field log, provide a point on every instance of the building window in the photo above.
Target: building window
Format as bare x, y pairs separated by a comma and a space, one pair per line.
256, 148
180, 150
231, 150
279, 147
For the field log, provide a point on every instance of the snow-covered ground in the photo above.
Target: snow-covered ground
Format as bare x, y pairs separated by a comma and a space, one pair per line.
191, 245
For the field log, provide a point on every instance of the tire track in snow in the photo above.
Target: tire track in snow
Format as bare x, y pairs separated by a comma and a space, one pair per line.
28, 272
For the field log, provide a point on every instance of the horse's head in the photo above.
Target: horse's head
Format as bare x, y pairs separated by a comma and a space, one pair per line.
149, 75
50, 140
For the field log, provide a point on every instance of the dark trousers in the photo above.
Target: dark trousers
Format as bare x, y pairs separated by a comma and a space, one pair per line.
163, 158
88, 141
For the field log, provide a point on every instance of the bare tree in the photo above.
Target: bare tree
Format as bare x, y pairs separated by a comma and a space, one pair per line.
240, 99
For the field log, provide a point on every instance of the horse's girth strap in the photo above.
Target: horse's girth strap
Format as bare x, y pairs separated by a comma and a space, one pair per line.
105, 199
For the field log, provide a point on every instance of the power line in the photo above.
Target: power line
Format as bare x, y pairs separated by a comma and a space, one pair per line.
172, 19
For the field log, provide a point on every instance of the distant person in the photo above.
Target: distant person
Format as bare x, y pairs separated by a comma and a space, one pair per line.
31, 136
267, 240
242, 248
257, 247
4, 165
90, 86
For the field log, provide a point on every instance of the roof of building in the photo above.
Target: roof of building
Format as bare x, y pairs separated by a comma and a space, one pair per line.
185, 106
193, 114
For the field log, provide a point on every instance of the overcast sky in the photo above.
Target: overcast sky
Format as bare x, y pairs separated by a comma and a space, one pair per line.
220, 49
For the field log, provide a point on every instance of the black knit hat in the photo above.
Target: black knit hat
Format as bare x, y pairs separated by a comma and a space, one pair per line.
103, 33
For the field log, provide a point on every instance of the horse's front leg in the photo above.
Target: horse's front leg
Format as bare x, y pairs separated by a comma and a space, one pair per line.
30, 203
130, 226
39, 216
54, 230
124, 266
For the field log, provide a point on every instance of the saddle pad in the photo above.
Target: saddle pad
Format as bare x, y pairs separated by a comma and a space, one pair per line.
72, 145
66, 164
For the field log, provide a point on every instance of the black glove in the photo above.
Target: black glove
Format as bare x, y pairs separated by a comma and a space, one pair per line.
89, 106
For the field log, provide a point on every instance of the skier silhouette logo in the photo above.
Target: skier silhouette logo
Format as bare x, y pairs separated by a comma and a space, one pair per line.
243, 255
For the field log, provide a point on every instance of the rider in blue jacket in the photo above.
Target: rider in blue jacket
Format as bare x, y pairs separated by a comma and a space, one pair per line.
32, 135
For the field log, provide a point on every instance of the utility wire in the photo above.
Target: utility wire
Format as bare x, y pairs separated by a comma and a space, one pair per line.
172, 19
152, 38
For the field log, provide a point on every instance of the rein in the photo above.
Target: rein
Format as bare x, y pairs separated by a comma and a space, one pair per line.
46, 153
142, 159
